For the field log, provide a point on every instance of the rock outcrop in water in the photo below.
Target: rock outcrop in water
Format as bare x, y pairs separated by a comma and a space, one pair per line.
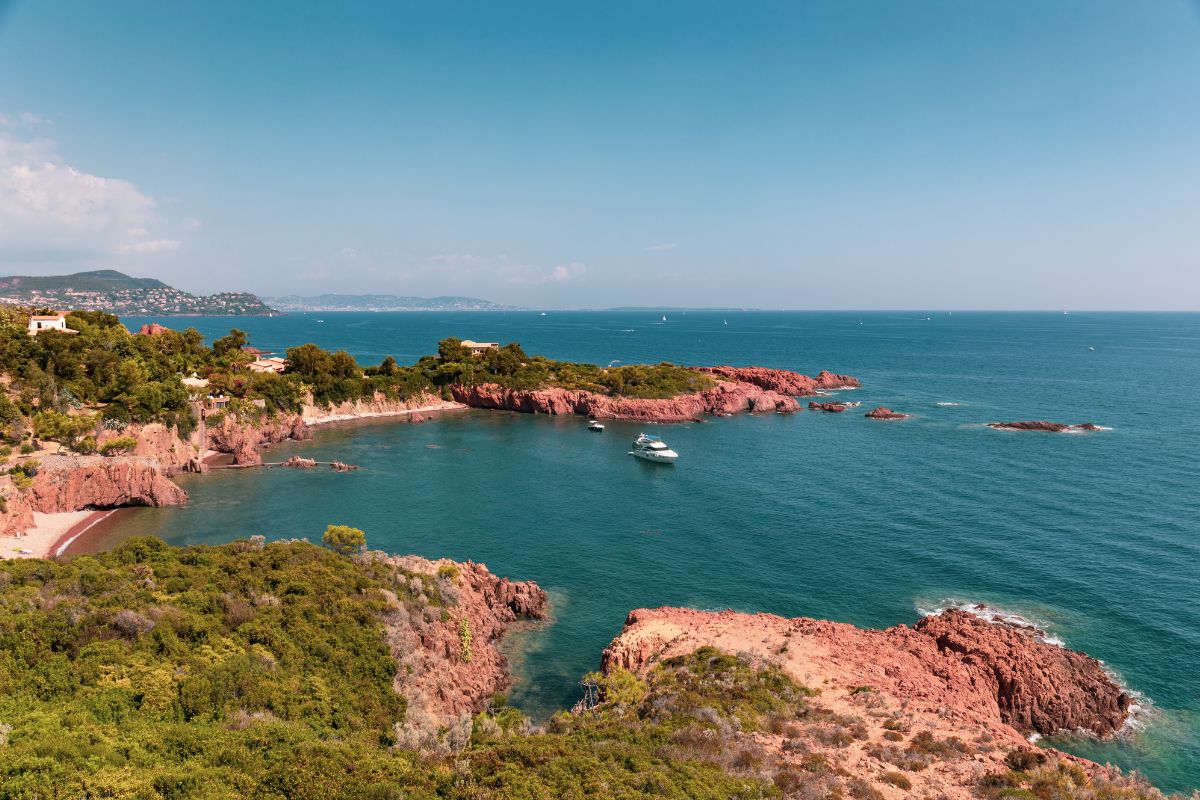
445, 645
882, 412
1042, 425
832, 408
737, 390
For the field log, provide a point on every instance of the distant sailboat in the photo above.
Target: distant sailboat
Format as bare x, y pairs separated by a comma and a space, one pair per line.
664, 317
726, 321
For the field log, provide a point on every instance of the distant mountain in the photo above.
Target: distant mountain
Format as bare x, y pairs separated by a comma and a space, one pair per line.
118, 293
381, 302
100, 280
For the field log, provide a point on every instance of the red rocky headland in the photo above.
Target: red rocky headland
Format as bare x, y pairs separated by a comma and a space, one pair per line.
954, 692
737, 390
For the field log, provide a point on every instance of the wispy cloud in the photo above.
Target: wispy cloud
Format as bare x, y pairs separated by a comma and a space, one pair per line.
661, 248
150, 246
47, 205
22, 120
467, 267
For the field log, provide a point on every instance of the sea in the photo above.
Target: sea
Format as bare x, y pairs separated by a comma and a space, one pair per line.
1094, 537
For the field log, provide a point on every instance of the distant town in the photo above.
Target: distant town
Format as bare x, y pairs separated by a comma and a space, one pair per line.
381, 302
117, 293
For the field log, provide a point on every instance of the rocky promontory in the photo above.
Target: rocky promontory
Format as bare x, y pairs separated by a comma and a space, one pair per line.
736, 390
784, 381
968, 690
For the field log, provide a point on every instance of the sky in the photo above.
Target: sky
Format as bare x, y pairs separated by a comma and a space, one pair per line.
800, 155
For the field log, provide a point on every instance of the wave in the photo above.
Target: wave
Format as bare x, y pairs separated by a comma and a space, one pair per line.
996, 616
947, 403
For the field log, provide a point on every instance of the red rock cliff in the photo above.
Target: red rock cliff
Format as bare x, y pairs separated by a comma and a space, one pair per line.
74, 483
727, 396
784, 381
446, 680
244, 439
992, 676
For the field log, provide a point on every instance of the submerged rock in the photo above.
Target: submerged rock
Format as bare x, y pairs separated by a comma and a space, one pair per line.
882, 412
1043, 425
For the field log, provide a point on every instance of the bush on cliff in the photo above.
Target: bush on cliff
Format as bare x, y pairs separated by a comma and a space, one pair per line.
344, 540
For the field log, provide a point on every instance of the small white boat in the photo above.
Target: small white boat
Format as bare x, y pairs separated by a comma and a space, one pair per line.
664, 317
593, 425
652, 448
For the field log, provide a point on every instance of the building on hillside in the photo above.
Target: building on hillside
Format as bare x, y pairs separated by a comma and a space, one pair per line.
48, 322
274, 364
197, 387
478, 348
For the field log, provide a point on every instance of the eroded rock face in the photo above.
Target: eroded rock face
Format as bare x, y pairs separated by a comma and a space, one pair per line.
425, 631
244, 439
726, 397
157, 441
784, 381
954, 672
1043, 425
75, 483
882, 412
1038, 687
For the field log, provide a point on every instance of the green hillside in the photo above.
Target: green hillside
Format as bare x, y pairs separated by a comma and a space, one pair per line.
100, 280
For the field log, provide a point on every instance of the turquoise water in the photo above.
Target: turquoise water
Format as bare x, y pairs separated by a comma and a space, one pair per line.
1093, 536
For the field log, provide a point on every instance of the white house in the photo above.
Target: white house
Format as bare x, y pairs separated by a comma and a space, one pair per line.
479, 348
273, 364
48, 322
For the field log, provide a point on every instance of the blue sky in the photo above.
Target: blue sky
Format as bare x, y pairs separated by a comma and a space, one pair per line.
765, 154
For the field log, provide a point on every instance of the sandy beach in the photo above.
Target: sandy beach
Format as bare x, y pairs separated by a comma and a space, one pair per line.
447, 405
50, 534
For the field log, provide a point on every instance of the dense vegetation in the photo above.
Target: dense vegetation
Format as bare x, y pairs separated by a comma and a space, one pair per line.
260, 670
61, 386
255, 670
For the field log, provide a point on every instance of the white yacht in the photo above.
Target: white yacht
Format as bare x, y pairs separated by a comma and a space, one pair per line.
652, 448
594, 425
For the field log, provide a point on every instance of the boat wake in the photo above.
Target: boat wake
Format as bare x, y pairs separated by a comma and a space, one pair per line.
947, 403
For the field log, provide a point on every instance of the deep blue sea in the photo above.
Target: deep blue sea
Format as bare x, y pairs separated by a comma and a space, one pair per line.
1093, 536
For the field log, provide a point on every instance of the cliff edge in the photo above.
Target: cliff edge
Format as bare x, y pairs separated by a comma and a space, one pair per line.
946, 701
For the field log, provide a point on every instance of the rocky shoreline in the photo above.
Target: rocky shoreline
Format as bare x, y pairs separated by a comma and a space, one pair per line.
959, 678
737, 390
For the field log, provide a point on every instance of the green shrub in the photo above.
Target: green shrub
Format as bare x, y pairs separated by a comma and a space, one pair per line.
121, 444
464, 640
